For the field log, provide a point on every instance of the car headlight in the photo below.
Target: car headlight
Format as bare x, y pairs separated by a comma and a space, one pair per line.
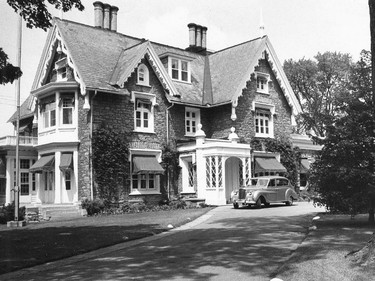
234, 193
249, 193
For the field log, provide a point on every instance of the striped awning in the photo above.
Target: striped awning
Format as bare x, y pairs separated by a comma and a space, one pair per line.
66, 162
44, 163
146, 164
268, 164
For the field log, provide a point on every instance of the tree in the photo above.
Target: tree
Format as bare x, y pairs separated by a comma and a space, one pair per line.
343, 170
318, 84
36, 15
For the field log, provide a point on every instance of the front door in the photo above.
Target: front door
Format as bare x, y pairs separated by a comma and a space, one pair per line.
49, 187
232, 176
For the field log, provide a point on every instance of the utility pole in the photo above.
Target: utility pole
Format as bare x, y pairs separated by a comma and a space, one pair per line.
18, 90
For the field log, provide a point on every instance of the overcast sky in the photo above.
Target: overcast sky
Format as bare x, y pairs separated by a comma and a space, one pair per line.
296, 28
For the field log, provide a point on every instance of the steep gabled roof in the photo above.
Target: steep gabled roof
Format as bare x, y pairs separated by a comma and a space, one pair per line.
231, 68
104, 60
26, 109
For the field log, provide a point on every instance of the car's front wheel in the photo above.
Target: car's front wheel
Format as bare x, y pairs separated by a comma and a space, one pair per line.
235, 205
258, 203
290, 201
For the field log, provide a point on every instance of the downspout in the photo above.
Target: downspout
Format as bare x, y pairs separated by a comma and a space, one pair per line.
167, 123
90, 162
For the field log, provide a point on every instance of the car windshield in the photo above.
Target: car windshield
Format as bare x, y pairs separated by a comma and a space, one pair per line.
262, 183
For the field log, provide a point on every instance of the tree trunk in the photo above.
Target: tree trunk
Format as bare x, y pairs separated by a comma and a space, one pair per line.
371, 4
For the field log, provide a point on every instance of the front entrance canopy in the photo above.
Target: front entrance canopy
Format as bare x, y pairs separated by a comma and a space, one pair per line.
146, 164
66, 162
268, 164
44, 163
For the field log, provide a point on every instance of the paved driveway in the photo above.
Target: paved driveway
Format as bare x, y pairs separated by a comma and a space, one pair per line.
224, 244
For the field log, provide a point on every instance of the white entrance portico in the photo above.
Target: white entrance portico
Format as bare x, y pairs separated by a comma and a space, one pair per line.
219, 167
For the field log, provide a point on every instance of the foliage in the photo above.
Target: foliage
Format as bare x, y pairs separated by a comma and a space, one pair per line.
170, 162
36, 14
110, 163
343, 174
318, 85
7, 213
8, 72
97, 207
290, 156
93, 207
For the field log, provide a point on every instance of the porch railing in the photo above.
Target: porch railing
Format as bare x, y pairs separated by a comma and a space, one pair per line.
12, 140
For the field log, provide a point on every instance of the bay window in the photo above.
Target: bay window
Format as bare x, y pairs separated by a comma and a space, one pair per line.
49, 114
67, 109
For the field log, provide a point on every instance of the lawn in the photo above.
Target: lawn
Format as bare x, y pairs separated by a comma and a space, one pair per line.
38, 243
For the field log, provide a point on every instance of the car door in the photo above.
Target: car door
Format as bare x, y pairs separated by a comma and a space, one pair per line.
282, 186
272, 191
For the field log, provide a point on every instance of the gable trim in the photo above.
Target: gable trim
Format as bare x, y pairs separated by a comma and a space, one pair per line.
55, 41
158, 68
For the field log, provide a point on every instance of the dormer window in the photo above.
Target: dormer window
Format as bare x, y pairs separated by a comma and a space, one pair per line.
143, 75
61, 69
179, 69
262, 82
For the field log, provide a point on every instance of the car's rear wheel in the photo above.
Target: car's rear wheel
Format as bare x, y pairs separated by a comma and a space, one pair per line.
290, 201
258, 203
235, 205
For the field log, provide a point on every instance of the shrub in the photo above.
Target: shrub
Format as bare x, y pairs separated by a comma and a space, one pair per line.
7, 213
93, 207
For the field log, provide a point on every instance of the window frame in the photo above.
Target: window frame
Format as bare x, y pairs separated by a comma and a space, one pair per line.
143, 71
197, 120
49, 110
258, 107
67, 96
265, 77
143, 98
179, 69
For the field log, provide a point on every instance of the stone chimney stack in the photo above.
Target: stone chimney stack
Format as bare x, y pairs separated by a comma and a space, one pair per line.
197, 38
105, 16
114, 11
204, 37
98, 10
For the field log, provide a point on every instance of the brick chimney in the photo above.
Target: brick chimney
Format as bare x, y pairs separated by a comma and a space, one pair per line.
105, 16
197, 38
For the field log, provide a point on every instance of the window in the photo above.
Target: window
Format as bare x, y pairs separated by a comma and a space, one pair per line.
262, 120
144, 181
68, 180
262, 82
143, 114
192, 119
67, 109
24, 163
49, 114
24, 183
143, 75
263, 123
180, 70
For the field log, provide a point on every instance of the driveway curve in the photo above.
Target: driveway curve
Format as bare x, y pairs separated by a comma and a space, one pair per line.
224, 244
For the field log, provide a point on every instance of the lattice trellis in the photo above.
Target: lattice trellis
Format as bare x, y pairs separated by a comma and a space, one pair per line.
247, 170
214, 171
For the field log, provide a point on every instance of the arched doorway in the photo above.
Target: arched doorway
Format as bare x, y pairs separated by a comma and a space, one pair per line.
232, 176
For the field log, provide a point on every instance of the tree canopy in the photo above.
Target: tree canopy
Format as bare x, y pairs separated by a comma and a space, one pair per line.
36, 15
318, 85
343, 172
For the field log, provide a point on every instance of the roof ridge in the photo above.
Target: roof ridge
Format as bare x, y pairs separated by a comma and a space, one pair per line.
243, 43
